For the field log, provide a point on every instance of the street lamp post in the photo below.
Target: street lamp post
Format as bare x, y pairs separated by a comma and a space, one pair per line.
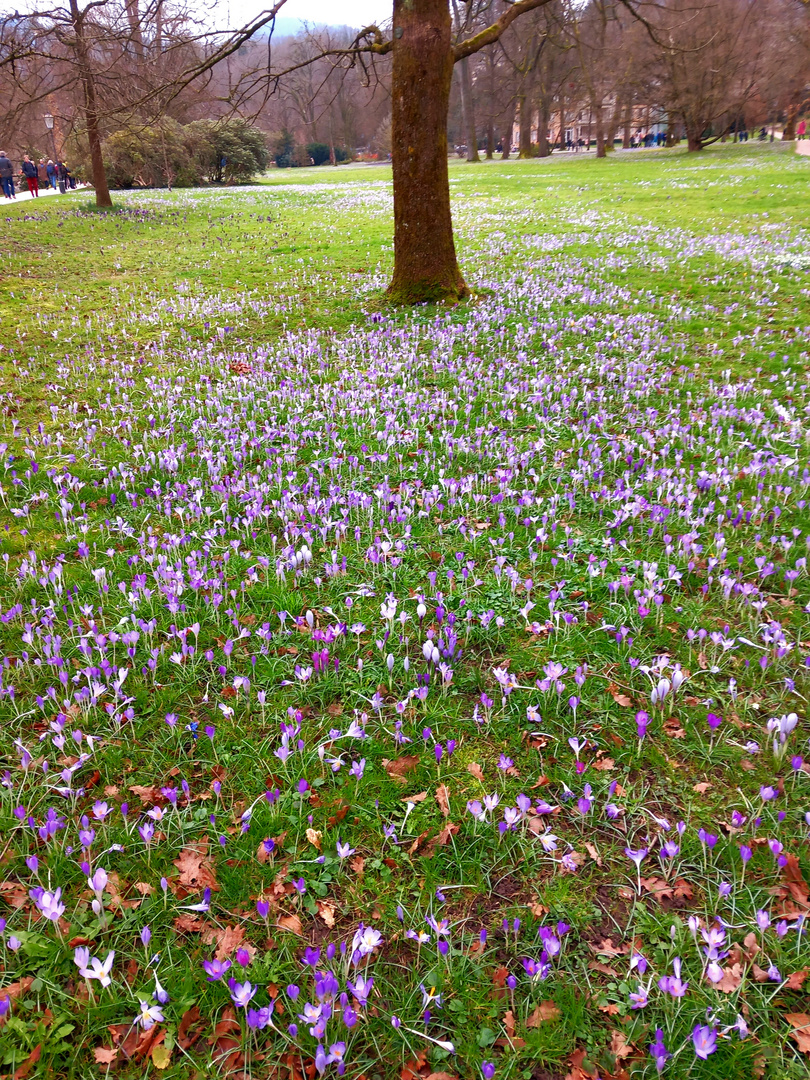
49, 125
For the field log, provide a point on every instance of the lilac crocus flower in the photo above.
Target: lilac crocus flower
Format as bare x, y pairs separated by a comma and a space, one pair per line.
704, 1040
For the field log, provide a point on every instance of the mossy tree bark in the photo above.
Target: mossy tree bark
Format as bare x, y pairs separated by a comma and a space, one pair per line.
425, 264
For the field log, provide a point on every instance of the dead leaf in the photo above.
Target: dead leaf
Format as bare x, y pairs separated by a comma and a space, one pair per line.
619, 696
226, 1041
604, 764
732, 977
228, 939
800, 1022
314, 837
14, 894
796, 884
546, 1010
443, 799
398, 768
415, 798
188, 923
23, 1070
509, 1024
418, 842
358, 864
443, 837
326, 912
105, 1055
291, 923
595, 965
605, 947
594, 854
190, 1027
16, 989
619, 1046
161, 1057
702, 787
474, 769
673, 728
797, 980
195, 868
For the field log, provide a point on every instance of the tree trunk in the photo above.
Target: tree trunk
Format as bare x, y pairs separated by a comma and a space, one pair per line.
468, 110
789, 134
425, 265
600, 131
694, 138
490, 139
615, 116
543, 149
90, 106
525, 107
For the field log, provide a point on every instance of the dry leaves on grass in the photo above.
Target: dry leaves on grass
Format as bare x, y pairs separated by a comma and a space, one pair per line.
443, 799
194, 867
190, 1029
665, 890
14, 894
226, 1041
227, 938
543, 1012
16, 989
619, 696
605, 947
800, 1023
326, 912
291, 923
398, 768
474, 769
25, 1068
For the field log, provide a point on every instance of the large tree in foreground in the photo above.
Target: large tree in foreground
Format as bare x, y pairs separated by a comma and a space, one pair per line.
423, 53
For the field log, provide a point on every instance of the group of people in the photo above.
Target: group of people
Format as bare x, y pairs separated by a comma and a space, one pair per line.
43, 174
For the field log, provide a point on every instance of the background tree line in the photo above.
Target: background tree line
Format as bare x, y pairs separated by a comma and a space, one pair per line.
174, 103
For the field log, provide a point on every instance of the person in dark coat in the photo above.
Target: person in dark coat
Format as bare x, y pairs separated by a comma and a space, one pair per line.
62, 173
42, 173
29, 171
7, 176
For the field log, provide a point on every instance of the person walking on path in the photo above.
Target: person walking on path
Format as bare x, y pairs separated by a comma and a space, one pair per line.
29, 171
51, 170
7, 176
42, 173
62, 174
801, 130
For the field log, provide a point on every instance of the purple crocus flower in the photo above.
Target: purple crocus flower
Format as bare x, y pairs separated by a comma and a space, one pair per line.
704, 1040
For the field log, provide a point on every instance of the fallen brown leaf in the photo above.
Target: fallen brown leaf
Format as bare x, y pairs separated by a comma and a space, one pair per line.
605, 947
190, 1028
23, 1070
596, 965
422, 795
474, 769
228, 939
398, 768
800, 1022
189, 923
546, 1010
292, 923
443, 799
326, 912
619, 696
195, 868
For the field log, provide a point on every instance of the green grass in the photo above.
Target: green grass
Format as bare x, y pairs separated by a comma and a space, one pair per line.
199, 383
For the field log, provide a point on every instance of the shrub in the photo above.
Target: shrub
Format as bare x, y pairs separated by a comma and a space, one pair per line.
230, 151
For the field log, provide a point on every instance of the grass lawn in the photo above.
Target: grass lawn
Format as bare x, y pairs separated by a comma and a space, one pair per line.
409, 693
